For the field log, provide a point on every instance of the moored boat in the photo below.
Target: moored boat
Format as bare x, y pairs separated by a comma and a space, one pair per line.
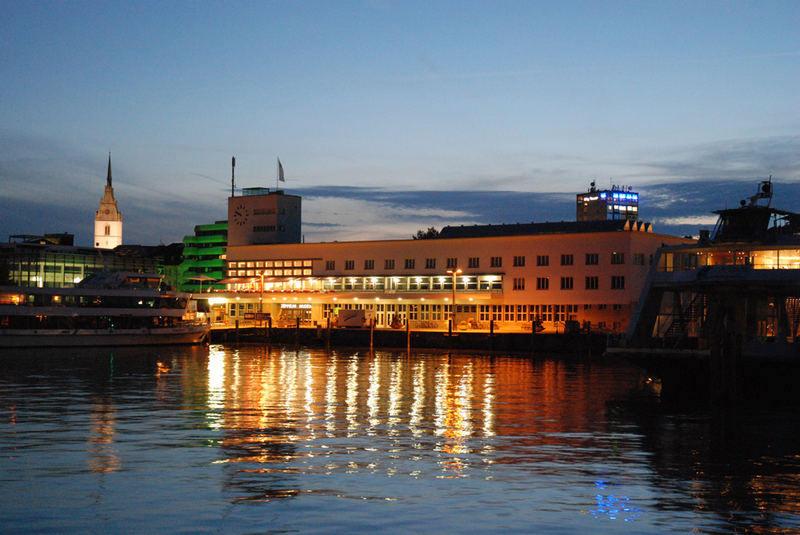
108, 308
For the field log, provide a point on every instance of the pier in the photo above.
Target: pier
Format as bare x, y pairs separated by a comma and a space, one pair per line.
579, 343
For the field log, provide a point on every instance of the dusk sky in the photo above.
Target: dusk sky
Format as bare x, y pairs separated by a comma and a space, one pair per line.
392, 116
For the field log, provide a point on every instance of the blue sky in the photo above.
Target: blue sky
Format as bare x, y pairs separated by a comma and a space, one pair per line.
391, 116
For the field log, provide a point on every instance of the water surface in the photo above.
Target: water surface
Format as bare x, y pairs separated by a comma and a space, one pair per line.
247, 439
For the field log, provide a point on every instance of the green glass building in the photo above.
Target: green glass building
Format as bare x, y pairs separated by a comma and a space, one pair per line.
203, 263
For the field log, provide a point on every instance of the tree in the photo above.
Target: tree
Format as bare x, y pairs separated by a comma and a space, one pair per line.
429, 234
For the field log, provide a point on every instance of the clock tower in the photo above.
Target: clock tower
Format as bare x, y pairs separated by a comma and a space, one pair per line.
260, 216
108, 219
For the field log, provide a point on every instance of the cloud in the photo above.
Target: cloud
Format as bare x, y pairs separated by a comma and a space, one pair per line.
734, 159
691, 220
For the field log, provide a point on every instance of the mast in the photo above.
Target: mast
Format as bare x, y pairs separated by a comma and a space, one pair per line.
233, 166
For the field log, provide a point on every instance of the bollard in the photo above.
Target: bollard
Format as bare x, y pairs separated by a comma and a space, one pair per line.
269, 326
328, 335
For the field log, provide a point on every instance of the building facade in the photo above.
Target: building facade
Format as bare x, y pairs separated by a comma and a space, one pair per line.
43, 265
620, 202
203, 264
260, 216
108, 218
553, 274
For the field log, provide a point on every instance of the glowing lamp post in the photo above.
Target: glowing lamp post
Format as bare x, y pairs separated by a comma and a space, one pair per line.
261, 296
454, 272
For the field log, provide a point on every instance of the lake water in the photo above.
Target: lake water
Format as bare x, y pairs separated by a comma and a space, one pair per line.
246, 439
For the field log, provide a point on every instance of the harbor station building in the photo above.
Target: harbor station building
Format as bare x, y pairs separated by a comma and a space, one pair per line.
551, 276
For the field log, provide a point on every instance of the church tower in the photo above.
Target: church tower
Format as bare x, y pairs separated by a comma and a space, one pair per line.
108, 219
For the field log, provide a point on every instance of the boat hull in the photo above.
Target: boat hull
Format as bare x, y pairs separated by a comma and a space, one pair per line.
102, 337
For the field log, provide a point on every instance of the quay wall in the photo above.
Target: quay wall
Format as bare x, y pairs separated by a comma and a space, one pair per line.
573, 343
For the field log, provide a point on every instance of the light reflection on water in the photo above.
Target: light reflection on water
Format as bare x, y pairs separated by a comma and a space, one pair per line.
247, 439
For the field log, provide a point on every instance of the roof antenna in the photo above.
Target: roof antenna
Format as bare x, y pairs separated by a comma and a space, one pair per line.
233, 166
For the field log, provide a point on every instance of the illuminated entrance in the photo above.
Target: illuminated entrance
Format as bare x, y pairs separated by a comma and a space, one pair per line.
290, 312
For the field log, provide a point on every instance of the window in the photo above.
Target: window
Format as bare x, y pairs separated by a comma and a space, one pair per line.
410, 263
519, 283
452, 262
108, 230
369, 264
349, 264
616, 307
638, 259
496, 261
617, 258
542, 283
519, 261
617, 282
566, 283
330, 265
592, 283
567, 260
542, 260
592, 259
430, 263
474, 262
388, 263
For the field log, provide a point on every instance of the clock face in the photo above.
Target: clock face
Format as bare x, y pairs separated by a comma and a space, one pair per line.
240, 215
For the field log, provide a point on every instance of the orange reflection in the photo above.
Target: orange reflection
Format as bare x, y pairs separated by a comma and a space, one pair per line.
281, 409
102, 453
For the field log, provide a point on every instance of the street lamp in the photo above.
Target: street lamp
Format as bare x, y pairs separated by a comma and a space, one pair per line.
261, 297
454, 272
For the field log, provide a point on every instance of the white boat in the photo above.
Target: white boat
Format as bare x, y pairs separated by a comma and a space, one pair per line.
108, 308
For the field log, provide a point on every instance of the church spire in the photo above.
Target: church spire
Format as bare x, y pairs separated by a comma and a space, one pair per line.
108, 178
